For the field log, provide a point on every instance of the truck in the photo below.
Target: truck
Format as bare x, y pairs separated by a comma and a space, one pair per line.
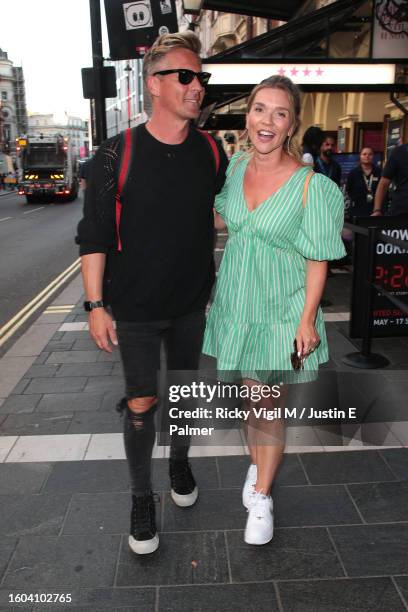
49, 170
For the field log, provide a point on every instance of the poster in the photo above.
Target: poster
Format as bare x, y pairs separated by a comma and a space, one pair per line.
390, 29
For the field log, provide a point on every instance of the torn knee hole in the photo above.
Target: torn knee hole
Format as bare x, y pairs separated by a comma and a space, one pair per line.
140, 410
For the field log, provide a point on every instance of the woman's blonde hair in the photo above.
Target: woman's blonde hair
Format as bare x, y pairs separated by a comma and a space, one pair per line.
291, 145
166, 43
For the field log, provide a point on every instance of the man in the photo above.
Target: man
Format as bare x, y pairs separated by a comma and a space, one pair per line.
325, 163
361, 185
84, 170
395, 170
160, 281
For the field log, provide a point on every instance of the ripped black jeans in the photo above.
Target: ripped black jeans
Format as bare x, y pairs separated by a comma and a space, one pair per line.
139, 345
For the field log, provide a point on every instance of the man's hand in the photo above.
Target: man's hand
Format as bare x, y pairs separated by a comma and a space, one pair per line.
101, 329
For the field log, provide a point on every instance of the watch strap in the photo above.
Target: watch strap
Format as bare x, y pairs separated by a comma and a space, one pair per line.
88, 306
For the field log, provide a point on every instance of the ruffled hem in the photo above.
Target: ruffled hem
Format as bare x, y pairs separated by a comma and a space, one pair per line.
259, 351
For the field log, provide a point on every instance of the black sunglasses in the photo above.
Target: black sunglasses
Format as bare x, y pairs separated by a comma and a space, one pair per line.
186, 76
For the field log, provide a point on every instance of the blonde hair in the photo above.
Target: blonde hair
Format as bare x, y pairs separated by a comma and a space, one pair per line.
166, 43
291, 145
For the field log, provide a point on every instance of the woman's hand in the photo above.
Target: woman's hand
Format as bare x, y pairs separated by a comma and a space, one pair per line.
307, 338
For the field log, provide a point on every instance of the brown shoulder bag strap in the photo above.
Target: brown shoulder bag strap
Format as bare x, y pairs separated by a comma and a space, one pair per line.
306, 186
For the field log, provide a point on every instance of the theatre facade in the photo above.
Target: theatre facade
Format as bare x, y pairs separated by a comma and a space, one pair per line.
349, 57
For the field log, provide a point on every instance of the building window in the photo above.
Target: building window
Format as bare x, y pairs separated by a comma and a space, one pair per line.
4, 95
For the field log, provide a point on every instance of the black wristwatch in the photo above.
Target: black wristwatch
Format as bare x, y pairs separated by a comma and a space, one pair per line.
88, 306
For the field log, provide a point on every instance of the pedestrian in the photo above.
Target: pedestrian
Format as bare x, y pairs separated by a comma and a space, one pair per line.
311, 142
395, 171
162, 267
325, 164
282, 230
84, 172
361, 184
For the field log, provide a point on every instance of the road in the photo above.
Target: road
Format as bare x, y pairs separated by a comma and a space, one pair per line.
36, 245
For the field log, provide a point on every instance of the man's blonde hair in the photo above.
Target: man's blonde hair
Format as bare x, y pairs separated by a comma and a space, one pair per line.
166, 43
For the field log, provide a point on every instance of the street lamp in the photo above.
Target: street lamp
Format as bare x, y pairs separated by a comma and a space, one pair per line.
128, 70
192, 7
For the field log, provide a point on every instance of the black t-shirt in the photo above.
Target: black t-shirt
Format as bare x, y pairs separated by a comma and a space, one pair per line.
332, 169
358, 186
166, 266
396, 169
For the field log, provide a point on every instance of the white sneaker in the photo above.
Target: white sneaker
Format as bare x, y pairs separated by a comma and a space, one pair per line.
259, 527
249, 485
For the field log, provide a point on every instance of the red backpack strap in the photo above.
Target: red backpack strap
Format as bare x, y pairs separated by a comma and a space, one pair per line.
124, 167
214, 148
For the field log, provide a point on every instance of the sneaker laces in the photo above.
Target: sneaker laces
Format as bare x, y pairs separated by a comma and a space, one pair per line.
181, 476
259, 504
142, 511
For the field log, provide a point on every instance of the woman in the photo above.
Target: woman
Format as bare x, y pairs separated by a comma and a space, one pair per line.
362, 183
312, 141
271, 278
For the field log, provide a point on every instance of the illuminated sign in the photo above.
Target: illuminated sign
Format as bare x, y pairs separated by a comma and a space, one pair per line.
302, 74
22, 142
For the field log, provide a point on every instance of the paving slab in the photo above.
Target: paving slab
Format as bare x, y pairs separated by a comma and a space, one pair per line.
101, 384
88, 477
6, 444
214, 509
97, 422
36, 423
340, 467
313, 505
397, 459
41, 371
17, 404
85, 369
23, 478
401, 583
49, 448
105, 446
357, 595
373, 550
7, 548
73, 357
92, 513
72, 384
11, 372
64, 562
382, 502
292, 554
32, 514
201, 558
219, 598
72, 402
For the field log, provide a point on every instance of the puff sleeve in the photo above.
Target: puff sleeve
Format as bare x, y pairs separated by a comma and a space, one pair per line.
319, 236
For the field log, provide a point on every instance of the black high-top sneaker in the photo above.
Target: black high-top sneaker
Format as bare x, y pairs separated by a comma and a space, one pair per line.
143, 538
184, 491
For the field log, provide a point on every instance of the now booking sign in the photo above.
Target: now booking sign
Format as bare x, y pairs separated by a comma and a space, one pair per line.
134, 26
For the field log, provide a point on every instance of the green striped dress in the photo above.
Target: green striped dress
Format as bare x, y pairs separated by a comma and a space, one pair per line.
260, 289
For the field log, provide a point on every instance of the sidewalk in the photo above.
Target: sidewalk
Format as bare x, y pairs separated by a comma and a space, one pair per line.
341, 536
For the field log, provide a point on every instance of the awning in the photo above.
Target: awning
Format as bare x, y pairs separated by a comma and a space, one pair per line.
298, 50
271, 9
300, 38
